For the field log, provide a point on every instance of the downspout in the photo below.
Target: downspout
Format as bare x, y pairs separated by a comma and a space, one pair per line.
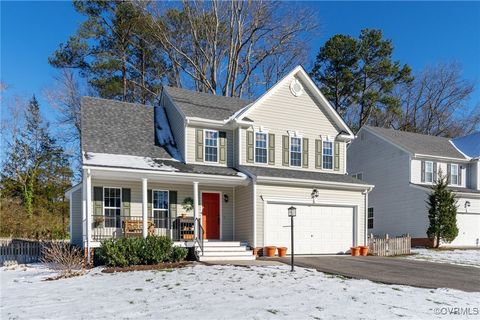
365, 220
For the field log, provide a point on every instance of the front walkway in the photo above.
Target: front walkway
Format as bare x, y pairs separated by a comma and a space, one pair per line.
395, 271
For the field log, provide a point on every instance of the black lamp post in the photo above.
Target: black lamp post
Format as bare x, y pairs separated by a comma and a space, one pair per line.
292, 212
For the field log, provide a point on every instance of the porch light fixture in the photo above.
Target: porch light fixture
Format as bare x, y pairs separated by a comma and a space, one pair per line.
314, 194
225, 197
467, 205
292, 212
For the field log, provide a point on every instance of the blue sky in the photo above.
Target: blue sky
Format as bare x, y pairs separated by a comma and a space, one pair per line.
423, 33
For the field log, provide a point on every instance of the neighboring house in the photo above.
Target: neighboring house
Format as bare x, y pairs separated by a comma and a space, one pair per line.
403, 166
237, 164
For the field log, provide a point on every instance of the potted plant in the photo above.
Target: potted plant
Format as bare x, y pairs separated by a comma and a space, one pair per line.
363, 250
355, 251
187, 205
270, 251
282, 251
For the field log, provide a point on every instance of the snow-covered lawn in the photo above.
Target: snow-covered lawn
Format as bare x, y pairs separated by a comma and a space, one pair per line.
458, 256
216, 292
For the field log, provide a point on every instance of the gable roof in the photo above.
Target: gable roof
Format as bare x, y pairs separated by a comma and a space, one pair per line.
115, 127
300, 72
204, 105
418, 144
469, 145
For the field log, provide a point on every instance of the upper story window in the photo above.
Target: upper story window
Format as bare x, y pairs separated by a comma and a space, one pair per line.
370, 218
454, 174
211, 146
428, 171
295, 152
261, 152
327, 159
112, 206
160, 208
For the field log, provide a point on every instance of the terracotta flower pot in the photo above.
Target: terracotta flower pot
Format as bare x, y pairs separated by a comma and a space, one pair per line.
355, 251
282, 251
364, 250
270, 251
258, 251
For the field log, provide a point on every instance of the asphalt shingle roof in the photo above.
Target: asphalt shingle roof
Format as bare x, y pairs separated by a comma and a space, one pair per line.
419, 143
301, 175
205, 105
115, 127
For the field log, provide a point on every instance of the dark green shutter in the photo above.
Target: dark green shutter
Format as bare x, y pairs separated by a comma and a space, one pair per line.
149, 203
449, 171
285, 150
199, 145
98, 201
305, 153
271, 148
423, 172
223, 147
250, 146
434, 172
172, 204
460, 175
126, 202
336, 156
318, 153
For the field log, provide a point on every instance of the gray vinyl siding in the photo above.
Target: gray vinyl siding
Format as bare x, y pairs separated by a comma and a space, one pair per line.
177, 124
244, 214
183, 191
398, 207
282, 112
344, 197
191, 143
76, 238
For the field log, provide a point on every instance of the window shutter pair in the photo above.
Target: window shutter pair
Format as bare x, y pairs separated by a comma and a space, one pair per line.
98, 201
285, 150
222, 137
336, 156
250, 147
305, 153
318, 153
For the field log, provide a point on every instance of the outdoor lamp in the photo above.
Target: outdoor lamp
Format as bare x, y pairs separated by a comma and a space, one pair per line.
225, 197
314, 194
292, 211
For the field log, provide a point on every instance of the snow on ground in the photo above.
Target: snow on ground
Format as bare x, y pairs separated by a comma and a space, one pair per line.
217, 292
458, 256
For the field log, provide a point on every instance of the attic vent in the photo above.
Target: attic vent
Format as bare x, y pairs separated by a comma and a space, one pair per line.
296, 88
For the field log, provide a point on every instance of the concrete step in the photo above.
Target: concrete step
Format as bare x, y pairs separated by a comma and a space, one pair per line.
210, 243
226, 253
227, 258
221, 249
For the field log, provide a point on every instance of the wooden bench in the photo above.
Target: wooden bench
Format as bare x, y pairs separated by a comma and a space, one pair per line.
134, 227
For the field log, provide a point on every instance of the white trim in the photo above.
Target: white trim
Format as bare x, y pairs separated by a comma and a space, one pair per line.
296, 136
458, 149
220, 199
195, 208
298, 71
254, 186
240, 130
144, 207
69, 191
255, 146
301, 182
88, 192
427, 156
233, 215
205, 146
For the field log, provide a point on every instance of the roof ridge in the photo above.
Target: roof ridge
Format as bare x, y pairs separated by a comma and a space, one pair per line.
116, 101
408, 132
207, 93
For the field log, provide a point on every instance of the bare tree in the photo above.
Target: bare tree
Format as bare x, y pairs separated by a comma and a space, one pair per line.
436, 103
226, 47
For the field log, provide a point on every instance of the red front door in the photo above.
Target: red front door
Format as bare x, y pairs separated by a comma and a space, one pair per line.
211, 215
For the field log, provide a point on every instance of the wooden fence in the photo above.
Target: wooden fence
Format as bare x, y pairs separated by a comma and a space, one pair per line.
386, 246
21, 250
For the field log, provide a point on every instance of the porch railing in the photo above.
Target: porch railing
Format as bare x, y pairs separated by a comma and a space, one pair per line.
199, 238
108, 227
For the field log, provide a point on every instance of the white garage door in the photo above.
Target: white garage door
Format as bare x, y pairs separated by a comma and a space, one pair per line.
318, 229
468, 230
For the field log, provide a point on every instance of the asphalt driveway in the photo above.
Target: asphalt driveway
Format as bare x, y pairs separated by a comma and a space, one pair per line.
395, 270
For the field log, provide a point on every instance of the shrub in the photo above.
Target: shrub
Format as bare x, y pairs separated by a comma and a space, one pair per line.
178, 254
63, 257
132, 251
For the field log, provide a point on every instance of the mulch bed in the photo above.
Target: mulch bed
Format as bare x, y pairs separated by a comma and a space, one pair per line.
160, 266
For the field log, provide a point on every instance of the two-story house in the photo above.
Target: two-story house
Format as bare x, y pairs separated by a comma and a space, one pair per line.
403, 166
199, 167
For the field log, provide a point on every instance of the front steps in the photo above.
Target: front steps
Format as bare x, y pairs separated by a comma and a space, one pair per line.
223, 251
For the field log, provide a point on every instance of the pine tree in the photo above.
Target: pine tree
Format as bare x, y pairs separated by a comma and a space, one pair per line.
442, 213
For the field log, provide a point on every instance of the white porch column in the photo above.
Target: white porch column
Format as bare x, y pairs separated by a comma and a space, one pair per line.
195, 208
144, 208
88, 211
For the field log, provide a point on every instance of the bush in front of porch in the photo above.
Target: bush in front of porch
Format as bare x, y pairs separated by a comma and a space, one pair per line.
139, 251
